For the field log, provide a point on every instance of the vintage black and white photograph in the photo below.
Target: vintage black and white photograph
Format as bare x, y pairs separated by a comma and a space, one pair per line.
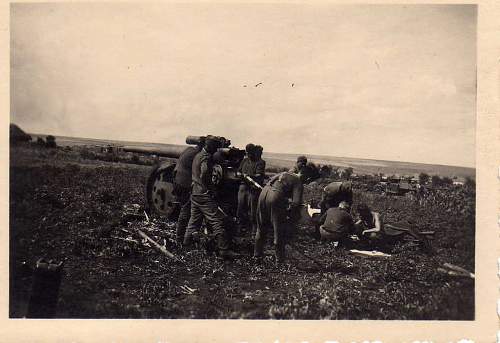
242, 161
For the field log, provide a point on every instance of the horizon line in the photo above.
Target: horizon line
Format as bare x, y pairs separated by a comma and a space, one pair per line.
271, 152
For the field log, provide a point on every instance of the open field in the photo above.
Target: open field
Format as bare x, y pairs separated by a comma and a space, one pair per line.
278, 160
71, 209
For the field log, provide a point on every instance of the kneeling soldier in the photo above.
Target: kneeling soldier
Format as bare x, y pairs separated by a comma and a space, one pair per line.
337, 224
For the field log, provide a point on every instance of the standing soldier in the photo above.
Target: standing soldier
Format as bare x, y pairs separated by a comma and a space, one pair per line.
182, 187
203, 200
252, 169
282, 194
299, 165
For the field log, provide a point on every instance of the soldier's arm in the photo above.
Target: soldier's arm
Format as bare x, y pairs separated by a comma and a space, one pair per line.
358, 227
352, 227
322, 219
378, 221
240, 167
204, 172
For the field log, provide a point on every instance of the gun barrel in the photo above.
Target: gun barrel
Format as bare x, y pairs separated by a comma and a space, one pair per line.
171, 152
195, 140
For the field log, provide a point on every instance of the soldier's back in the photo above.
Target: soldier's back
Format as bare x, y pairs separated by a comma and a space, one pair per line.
338, 221
183, 168
199, 185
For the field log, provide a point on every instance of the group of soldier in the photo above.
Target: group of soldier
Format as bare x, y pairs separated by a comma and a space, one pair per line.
262, 208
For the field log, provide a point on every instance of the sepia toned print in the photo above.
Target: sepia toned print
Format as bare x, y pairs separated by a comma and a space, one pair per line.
237, 161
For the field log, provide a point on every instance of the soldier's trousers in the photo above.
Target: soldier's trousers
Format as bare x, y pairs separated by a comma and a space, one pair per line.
247, 206
204, 206
184, 198
271, 215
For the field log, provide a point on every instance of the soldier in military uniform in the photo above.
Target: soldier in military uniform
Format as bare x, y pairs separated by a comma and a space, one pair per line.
252, 166
337, 224
299, 165
203, 200
182, 187
334, 193
281, 196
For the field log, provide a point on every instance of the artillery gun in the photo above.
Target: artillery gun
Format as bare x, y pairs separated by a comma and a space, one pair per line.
160, 199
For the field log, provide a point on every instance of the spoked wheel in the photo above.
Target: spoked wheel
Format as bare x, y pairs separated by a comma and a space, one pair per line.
159, 188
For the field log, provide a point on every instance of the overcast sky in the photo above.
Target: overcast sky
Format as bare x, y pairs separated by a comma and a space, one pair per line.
384, 82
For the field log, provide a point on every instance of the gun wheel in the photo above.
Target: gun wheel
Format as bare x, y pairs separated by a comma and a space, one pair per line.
159, 188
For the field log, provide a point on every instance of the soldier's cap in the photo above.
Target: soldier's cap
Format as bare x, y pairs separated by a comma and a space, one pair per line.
212, 141
302, 159
249, 147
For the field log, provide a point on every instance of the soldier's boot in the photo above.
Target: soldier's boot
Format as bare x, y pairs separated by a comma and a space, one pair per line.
258, 249
254, 229
180, 234
189, 238
280, 253
179, 239
187, 241
223, 246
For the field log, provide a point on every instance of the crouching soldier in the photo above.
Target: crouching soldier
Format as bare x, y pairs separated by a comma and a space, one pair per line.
334, 193
369, 222
337, 224
375, 233
203, 200
281, 196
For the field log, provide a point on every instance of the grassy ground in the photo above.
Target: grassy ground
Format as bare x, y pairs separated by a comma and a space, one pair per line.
68, 208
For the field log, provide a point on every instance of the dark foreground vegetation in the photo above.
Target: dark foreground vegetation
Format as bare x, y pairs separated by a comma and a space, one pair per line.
77, 210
